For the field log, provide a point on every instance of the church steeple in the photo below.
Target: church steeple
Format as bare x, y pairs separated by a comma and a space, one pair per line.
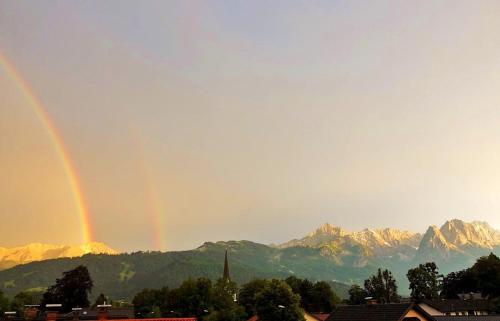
225, 275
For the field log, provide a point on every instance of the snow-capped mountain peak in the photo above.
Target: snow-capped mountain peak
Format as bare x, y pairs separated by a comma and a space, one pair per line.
38, 251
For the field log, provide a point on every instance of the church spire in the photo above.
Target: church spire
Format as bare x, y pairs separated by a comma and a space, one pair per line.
226, 276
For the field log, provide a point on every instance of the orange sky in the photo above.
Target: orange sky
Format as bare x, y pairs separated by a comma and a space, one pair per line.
256, 121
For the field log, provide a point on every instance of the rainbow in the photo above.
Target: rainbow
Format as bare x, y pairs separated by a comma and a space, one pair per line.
155, 209
155, 204
58, 144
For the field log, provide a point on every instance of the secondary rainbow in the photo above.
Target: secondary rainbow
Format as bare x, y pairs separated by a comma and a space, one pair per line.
154, 202
58, 144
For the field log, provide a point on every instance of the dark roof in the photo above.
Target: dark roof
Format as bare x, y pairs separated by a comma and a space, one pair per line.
375, 312
113, 313
468, 318
153, 319
86, 314
459, 305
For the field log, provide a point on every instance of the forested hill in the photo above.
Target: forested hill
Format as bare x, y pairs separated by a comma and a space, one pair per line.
121, 276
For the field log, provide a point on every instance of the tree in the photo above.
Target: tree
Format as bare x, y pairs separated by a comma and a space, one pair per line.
247, 296
483, 277
278, 302
24, 298
224, 294
193, 298
486, 272
147, 303
357, 294
295, 283
424, 282
302, 287
314, 297
323, 299
235, 313
4, 303
71, 290
458, 282
224, 303
382, 287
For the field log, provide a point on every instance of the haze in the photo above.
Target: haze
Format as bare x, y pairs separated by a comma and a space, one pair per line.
194, 121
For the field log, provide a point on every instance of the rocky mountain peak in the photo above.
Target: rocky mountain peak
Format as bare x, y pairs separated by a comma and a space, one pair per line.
452, 239
368, 241
461, 233
457, 238
328, 230
433, 238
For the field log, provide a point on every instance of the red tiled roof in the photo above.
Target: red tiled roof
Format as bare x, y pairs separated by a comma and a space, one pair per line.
160, 319
320, 316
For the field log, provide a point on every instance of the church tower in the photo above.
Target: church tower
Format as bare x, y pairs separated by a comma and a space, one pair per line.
225, 275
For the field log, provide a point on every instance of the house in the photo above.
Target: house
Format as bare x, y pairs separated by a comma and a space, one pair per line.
468, 318
111, 314
307, 316
380, 312
456, 307
102, 314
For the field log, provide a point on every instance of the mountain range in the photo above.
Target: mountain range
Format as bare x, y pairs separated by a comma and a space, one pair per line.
455, 240
329, 253
10, 257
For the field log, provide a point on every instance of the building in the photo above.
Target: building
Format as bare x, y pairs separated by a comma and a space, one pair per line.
101, 314
468, 318
456, 307
380, 312
93, 314
225, 274
307, 316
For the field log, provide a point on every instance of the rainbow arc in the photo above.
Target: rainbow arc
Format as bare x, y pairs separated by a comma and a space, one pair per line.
58, 144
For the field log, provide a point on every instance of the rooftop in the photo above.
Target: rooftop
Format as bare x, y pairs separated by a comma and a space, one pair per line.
459, 305
375, 312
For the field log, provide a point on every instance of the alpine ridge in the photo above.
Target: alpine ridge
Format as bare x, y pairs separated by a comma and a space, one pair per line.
458, 240
358, 247
455, 240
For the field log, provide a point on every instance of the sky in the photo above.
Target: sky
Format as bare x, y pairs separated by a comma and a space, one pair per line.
182, 122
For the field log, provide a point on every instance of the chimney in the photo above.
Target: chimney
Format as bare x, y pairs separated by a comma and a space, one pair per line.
103, 311
76, 313
31, 311
370, 300
52, 311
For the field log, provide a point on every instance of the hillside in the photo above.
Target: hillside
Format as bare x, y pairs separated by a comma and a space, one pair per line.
121, 276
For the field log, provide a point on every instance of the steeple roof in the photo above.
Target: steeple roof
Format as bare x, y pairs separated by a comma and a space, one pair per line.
225, 275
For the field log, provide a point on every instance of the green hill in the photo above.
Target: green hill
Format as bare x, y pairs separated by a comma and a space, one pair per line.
121, 276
